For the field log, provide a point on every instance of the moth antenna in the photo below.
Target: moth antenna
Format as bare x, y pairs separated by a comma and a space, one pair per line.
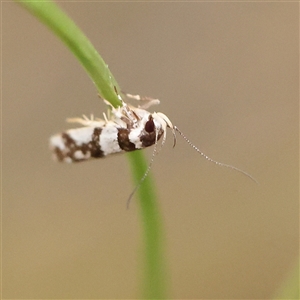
212, 160
143, 178
154, 153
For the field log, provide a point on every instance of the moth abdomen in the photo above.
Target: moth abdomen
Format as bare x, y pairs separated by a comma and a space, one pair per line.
77, 145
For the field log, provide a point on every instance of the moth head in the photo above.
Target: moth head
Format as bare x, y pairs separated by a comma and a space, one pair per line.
152, 131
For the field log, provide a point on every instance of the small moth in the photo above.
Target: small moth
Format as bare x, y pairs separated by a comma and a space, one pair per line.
126, 128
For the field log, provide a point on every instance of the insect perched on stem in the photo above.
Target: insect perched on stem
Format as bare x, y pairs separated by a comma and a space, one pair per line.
126, 128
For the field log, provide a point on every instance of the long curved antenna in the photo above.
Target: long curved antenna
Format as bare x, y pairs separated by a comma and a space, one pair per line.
154, 153
211, 160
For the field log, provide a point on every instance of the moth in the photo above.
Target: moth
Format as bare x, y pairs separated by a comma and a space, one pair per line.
126, 128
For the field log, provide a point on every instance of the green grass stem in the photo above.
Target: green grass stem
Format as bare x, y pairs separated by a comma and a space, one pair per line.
154, 285
63, 27
290, 287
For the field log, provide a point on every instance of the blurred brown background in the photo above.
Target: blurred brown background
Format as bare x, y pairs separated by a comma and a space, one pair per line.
227, 75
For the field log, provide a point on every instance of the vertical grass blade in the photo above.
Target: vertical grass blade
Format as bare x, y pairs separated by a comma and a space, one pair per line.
290, 287
63, 27
154, 285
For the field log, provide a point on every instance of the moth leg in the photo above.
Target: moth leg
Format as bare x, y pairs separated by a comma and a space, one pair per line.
85, 121
148, 101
